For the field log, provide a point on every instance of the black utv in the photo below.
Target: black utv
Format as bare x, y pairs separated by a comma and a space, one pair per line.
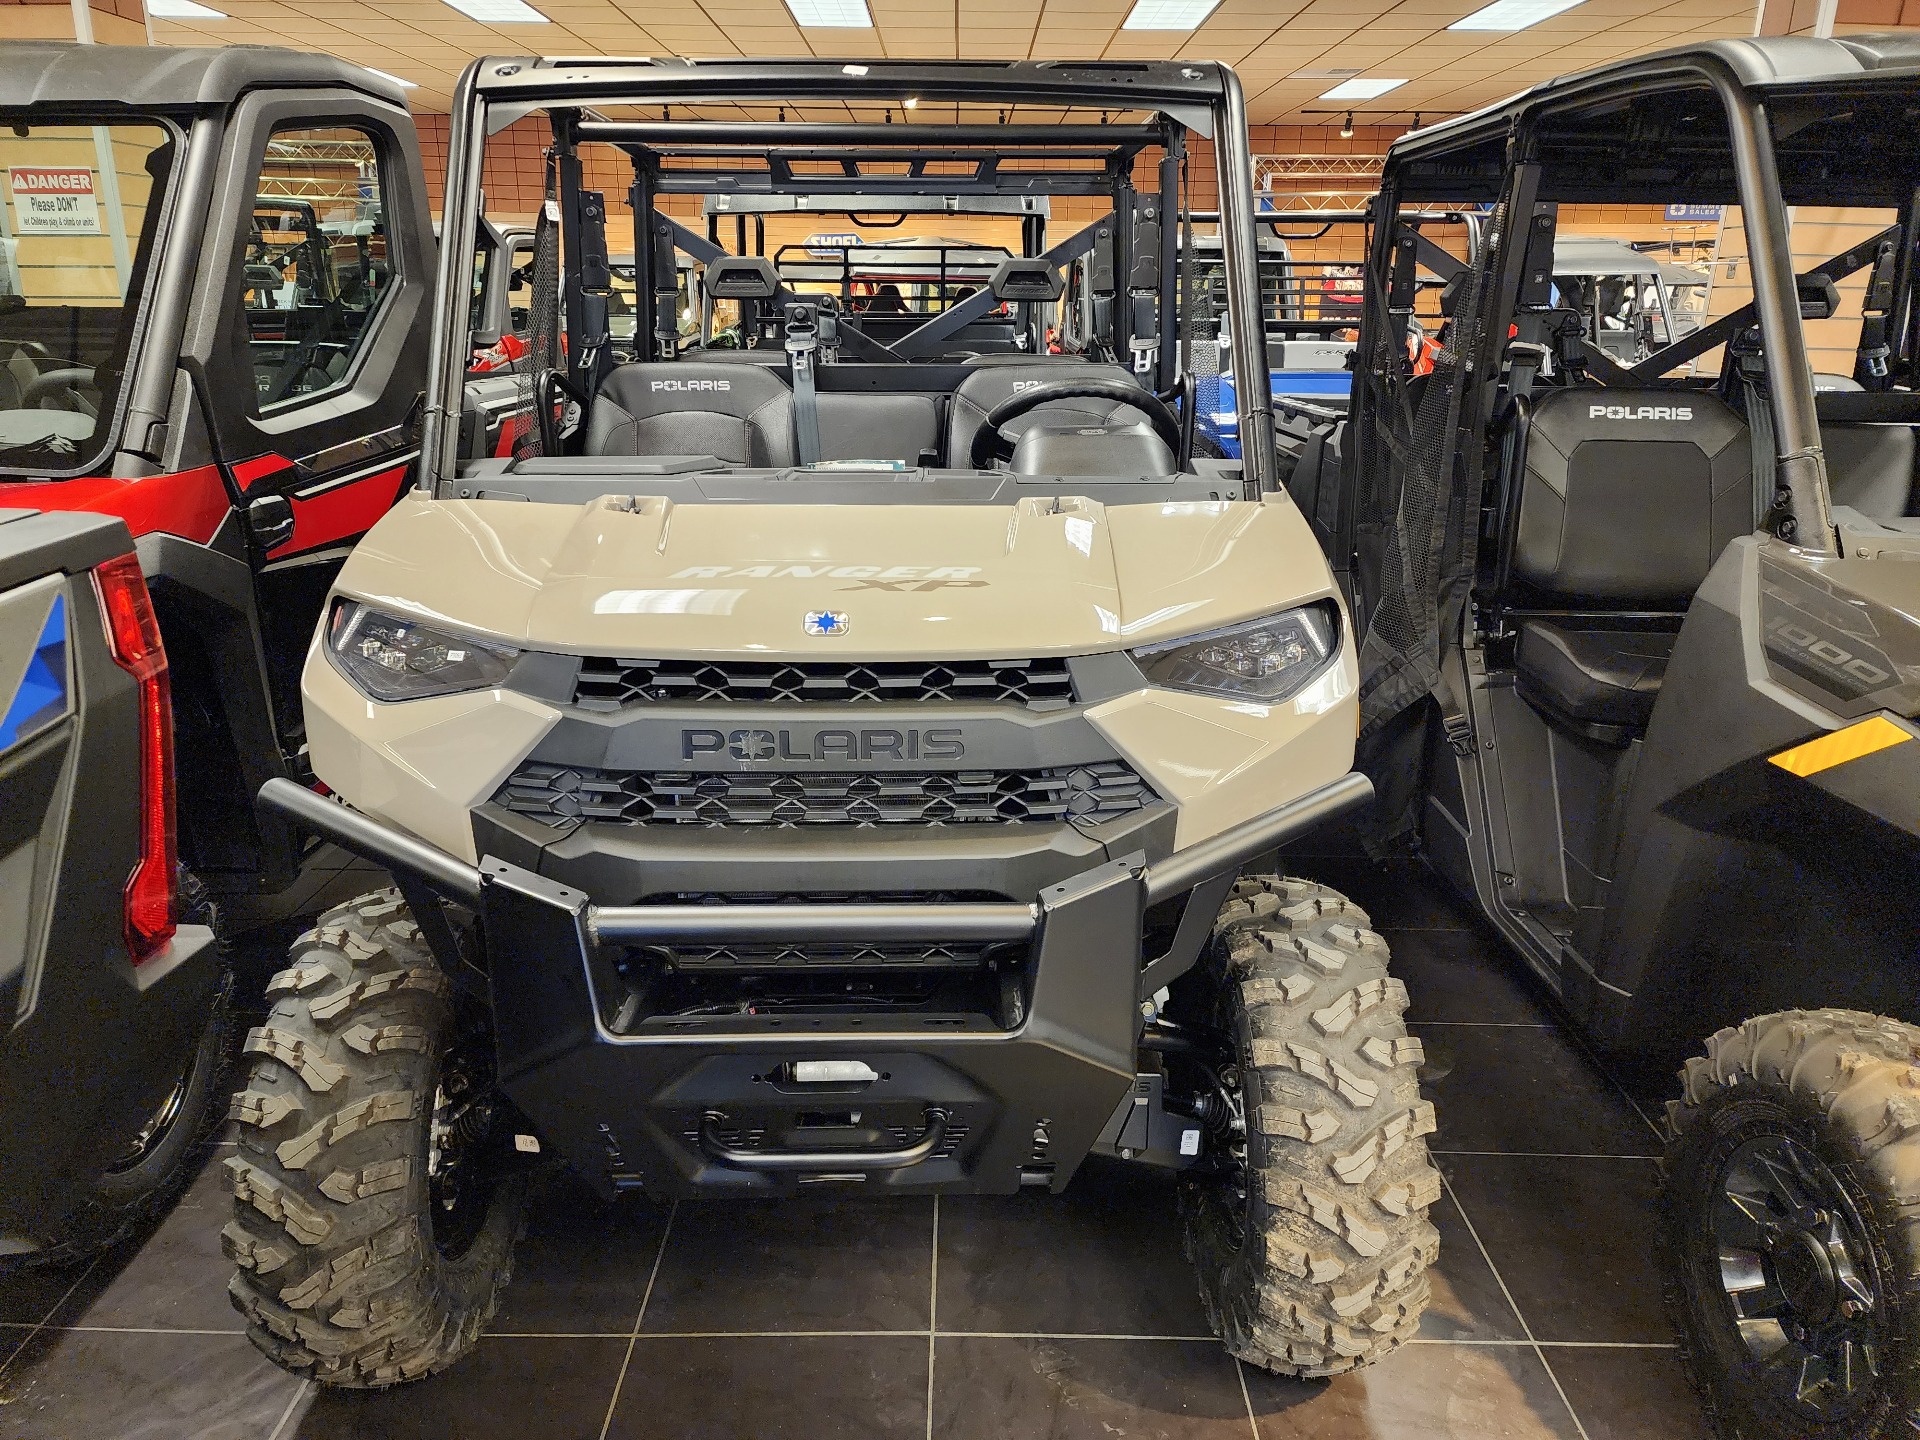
1641, 660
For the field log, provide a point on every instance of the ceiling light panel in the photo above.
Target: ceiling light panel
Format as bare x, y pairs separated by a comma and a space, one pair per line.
403, 84
1362, 89
831, 14
183, 10
1514, 14
499, 12
1168, 14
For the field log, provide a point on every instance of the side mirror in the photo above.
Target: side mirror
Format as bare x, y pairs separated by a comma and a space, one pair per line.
270, 521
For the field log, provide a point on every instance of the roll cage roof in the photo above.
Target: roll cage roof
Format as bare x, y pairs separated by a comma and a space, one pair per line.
135, 78
862, 162
1464, 159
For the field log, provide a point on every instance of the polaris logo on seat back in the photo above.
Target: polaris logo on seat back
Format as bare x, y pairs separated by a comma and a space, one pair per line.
1639, 412
718, 385
757, 745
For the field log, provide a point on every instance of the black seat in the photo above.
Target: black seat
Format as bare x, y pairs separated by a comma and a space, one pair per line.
1000, 378
1592, 680
1870, 445
1625, 498
738, 414
878, 427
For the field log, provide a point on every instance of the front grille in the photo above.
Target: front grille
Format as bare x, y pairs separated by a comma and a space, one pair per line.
613, 683
566, 796
833, 955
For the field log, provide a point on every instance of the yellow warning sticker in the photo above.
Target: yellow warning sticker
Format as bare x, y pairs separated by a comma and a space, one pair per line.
1837, 748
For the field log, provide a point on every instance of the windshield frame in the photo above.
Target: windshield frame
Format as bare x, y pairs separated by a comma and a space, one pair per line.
137, 304
1206, 99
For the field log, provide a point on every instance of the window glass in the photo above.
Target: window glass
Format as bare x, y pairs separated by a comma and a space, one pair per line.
73, 250
317, 260
520, 288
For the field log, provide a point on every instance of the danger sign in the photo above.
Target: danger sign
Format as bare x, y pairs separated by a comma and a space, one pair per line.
53, 201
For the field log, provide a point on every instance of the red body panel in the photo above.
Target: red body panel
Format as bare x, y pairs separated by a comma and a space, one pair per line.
344, 511
187, 503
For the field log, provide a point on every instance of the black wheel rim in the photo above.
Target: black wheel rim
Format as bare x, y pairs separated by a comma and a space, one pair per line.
155, 1129
461, 1165
1803, 1288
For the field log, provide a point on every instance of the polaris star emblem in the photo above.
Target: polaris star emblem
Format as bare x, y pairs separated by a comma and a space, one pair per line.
827, 622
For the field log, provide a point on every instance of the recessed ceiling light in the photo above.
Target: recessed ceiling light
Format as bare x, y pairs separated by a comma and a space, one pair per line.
184, 10
831, 14
1514, 14
499, 12
403, 84
1168, 14
1361, 89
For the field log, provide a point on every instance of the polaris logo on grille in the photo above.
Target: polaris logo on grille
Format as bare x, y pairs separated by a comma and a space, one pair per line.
756, 746
1639, 412
714, 385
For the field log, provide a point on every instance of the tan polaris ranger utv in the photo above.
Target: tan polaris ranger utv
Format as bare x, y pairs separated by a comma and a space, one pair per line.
837, 760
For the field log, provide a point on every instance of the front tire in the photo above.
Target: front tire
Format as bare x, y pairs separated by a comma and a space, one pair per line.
374, 1218
1311, 1239
1790, 1226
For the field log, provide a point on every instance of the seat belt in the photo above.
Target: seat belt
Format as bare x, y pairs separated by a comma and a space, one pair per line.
803, 348
1872, 370
1752, 367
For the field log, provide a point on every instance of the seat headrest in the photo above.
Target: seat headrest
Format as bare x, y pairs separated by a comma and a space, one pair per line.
669, 386
1819, 298
1025, 278
742, 277
1630, 494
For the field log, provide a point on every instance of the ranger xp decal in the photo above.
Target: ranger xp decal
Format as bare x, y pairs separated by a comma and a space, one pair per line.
926, 574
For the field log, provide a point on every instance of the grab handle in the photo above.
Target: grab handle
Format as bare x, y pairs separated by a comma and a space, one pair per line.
900, 1159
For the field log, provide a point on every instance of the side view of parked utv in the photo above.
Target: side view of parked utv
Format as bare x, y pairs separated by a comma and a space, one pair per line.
1640, 650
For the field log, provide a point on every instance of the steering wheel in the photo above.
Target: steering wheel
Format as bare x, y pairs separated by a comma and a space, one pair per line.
65, 381
990, 445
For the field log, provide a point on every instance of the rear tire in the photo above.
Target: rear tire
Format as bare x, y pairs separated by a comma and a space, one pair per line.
165, 1154
1312, 1252
1789, 1235
372, 1233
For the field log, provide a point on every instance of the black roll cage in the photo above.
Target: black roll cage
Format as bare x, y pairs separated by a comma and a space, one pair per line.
678, 157
1494, 155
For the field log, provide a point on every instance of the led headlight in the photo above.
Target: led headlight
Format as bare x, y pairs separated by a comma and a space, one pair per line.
392, 659
1266, 660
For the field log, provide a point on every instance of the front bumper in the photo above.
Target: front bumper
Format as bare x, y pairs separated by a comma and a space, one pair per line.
958, 1099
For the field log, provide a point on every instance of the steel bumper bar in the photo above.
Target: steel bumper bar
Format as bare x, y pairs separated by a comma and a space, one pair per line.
643, 924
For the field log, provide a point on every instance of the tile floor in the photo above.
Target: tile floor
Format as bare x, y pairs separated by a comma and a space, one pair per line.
1056, 1317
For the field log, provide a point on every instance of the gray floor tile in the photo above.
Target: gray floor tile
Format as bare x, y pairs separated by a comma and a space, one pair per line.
1573, 1239
1086, 1390
805, 1264
786, 1388
1101, 1259
79, 1385
1420, 1392
504, 1390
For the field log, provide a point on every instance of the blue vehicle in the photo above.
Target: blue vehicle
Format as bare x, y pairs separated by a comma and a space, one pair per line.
1313, 310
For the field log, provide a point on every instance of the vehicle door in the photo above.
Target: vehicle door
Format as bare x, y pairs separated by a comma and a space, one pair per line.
312, 329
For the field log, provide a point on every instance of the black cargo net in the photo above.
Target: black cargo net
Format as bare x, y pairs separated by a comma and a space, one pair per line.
1199, 342
1424, 503
1418, 535
545, 354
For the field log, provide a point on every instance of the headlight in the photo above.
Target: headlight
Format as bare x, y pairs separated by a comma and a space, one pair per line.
390, 659
1266, 660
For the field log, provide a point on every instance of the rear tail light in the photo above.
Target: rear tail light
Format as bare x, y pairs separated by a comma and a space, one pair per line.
134, 637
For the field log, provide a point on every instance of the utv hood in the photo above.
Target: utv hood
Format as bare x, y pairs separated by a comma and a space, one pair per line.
855, 582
